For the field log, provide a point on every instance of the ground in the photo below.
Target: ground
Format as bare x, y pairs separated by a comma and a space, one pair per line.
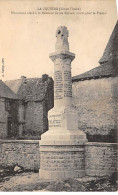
29, 181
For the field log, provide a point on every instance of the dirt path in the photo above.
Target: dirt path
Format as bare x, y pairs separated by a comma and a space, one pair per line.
30, 181
23, 181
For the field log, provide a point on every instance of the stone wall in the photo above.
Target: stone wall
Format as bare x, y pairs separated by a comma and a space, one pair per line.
3, 119
97, 104
101, 159
20, 152
33, 119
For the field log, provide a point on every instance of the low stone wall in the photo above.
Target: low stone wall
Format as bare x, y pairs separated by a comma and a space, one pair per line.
101, 158
23, 153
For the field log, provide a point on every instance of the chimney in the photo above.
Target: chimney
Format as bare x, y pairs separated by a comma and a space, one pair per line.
44, 77
23, 77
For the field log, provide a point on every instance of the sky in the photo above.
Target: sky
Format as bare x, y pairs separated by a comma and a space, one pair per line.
26, 39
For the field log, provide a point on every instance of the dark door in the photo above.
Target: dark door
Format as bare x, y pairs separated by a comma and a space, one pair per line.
10, 128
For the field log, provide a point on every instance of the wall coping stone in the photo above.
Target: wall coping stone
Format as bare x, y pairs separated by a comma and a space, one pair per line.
20, 141
102, 144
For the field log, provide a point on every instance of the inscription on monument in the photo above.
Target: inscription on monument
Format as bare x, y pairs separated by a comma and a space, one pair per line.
67, 84
58, 85
55, 120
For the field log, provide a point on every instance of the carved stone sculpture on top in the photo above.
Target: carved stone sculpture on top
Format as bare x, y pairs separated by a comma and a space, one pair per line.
62, 44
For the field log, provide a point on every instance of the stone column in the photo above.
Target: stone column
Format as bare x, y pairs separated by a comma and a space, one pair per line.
21, 117
62, 146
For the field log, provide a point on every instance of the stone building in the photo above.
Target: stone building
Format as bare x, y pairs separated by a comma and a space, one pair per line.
95, 93
8, 112
35, 99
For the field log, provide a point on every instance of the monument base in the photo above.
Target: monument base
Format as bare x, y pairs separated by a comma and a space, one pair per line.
62, 154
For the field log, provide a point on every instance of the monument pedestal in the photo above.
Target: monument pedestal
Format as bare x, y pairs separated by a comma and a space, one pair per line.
62, 159
62, 146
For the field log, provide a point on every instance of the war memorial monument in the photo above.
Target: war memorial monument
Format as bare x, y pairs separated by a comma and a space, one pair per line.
62, 146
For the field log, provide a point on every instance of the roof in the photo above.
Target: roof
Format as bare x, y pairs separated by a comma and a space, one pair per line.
98, 72
6, 92
111, 50
108, 63
30, 89
14, 85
